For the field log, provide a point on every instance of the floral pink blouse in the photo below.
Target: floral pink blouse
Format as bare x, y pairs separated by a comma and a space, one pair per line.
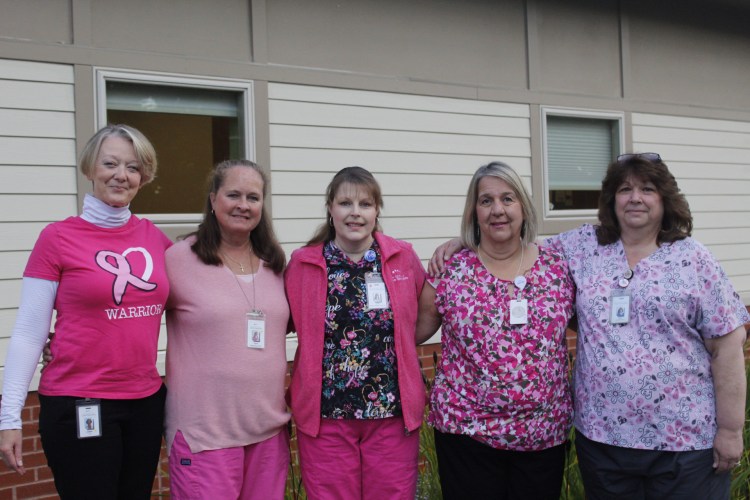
647, 384
504, 385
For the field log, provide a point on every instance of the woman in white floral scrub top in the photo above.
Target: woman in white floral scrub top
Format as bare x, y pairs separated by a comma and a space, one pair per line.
659, 377
500, 404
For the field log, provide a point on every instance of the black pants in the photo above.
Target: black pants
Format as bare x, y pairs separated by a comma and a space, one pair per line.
615, 473
120, 464
470, 469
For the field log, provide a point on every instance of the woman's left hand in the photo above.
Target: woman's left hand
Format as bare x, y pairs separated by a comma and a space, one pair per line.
728, 369
727, 450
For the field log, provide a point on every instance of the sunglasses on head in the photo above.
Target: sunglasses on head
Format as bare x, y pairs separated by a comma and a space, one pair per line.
652, 157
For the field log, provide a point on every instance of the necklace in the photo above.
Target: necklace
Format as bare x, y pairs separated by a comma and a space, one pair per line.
252, 271
242, 268
519, 278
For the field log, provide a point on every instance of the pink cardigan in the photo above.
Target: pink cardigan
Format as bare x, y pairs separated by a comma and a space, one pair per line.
306, 287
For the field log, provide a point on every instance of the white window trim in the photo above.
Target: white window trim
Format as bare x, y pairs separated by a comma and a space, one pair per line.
575, 113
245, 87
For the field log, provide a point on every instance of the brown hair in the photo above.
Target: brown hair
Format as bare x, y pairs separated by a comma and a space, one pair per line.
143, 148
359, 177
677, 222
262, 238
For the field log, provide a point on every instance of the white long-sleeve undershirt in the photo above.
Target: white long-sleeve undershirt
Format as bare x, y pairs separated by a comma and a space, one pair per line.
33, 322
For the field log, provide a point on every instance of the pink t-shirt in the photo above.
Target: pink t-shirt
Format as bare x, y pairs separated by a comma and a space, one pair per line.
110, 298
647, 384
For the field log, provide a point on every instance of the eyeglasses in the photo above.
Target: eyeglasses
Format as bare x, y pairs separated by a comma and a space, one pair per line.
652, 157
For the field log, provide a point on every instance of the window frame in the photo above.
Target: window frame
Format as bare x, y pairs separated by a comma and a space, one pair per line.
243, 87
579, 215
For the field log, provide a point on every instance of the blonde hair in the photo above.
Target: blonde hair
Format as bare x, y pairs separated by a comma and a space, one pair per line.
470, 234
144, 151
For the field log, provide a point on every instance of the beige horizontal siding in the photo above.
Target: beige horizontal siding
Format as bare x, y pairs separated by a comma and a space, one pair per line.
36, 208
31, 123
11, 263
19, 235
311, 205
711, 161
12, 69
331, 160
394, 140
37, 151
422, 150
35, 95
7, 320
10, 294
309, 93
38, 168
39, 180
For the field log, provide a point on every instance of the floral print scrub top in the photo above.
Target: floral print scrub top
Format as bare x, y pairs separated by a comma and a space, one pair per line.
360, 375
647, 384
504, 385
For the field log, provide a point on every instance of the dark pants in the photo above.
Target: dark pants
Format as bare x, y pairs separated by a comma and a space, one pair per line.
470, 469
120, 464
615, 473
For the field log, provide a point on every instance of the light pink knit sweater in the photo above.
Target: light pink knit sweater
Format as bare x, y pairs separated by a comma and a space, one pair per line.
221, 393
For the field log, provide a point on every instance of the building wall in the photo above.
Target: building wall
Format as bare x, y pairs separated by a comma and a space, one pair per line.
422, 150
37, 165
711, 161
420, 92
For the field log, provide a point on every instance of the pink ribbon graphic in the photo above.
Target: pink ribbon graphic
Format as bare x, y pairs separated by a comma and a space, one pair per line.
123, 272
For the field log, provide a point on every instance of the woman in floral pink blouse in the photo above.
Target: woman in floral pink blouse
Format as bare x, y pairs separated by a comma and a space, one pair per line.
500, 404
659, 375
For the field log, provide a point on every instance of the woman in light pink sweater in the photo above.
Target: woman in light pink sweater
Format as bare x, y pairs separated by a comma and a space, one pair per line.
226, 321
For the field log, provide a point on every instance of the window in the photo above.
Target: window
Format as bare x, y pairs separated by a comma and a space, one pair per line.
192, 123
578, 148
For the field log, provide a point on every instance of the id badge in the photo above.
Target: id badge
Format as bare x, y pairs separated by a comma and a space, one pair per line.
89, 418
619, 314
256, 330
519, 312
377, 294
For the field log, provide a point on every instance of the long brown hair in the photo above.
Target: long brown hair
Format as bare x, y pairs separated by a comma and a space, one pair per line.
677, 222
357, 176
262, 238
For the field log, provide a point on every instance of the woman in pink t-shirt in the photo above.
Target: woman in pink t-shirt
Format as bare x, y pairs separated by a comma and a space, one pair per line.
102, 399
227, 319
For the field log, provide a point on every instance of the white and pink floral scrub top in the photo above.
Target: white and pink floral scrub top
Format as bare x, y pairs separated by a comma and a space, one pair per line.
647, 384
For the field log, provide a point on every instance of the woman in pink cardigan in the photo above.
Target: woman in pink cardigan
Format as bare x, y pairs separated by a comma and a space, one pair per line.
356, 394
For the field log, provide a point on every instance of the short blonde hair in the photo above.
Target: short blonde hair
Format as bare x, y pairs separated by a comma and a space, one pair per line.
470, 235
144, 150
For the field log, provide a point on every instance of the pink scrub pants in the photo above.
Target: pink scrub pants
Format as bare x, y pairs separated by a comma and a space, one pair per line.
253, 472
359, 460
